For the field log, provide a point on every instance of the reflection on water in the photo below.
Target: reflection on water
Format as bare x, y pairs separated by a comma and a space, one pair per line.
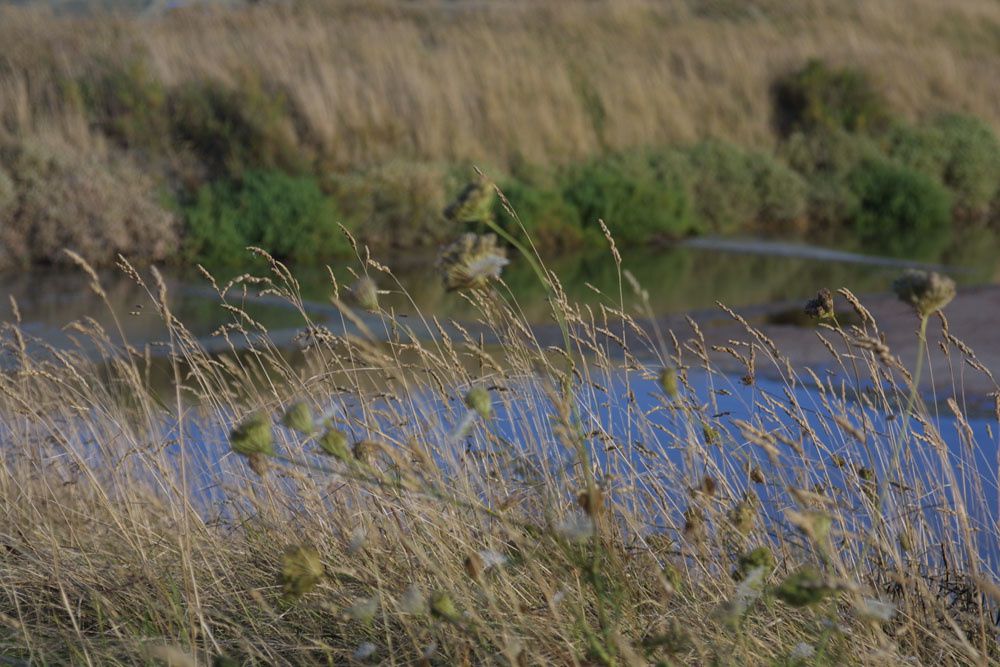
678, 279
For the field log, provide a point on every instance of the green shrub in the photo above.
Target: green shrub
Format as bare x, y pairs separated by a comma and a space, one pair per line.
781, 192
397, 204
825, 159
734, 188
289, 216
899, 211
960, 151
818, 97
640, 196
724, 187
551, 222
235, 129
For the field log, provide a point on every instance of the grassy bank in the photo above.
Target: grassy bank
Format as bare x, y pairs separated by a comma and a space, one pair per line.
388, 496
665, 119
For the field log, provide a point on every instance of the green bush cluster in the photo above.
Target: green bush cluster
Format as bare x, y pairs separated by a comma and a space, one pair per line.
289, 216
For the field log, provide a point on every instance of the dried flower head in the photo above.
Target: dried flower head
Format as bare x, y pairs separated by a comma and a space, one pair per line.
364, 293
474, 203
253, 436
301, 570
478, 399
299, 418
926, 291
472, 261
822, 306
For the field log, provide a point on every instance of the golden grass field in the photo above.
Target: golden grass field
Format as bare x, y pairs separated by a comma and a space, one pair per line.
497, 82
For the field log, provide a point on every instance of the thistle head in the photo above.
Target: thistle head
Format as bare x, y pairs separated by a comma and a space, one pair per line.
472, 261
253, 436
927, 291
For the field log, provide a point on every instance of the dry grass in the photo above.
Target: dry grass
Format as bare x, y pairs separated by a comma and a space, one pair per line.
495, 82
130, 529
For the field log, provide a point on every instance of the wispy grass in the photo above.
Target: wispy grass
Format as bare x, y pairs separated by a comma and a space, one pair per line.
423, 492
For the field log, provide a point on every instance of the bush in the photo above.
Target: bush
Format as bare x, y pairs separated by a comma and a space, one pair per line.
286, 215
640, 196
899, 211
57, 198
825, 159
818, 97
781, 192
232, 130
551, 222
398, 204
735, 188
960, 151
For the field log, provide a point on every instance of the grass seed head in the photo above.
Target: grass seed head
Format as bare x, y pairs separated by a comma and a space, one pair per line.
364, 293
363, 611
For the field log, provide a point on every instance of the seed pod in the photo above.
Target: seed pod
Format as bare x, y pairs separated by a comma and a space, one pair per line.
591, 502
253, 436
334, 443
478, 399
668, 382
299, 418
474, 566
442, 606
804, 587
751, 560
742, 517
301, 570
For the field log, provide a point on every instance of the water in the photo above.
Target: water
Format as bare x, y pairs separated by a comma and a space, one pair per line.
678, 279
